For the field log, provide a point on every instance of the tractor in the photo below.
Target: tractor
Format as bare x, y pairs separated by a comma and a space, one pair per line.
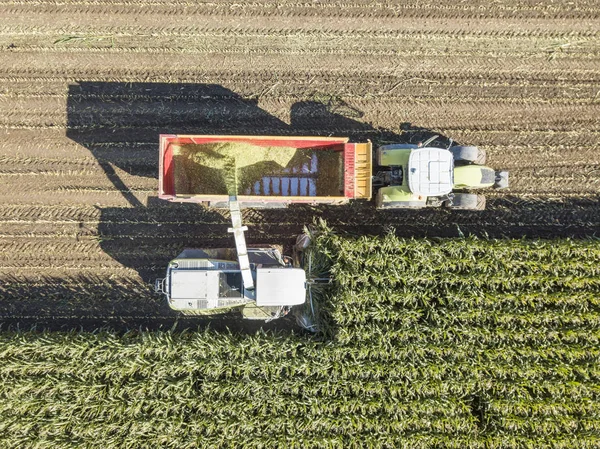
415, 176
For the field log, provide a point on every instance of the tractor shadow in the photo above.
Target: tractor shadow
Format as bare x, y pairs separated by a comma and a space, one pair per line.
119, 123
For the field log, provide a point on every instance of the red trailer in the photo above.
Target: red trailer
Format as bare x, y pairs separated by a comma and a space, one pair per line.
278, 171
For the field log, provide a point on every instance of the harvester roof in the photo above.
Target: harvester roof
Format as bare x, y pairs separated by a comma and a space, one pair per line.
280, 286
210, 285
213, 288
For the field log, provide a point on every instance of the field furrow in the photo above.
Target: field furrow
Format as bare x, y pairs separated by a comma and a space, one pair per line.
398, 30
297, 10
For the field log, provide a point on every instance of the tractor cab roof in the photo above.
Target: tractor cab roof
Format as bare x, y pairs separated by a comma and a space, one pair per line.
430, 171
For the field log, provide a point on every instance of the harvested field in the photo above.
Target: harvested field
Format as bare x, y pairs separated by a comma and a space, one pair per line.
87, 86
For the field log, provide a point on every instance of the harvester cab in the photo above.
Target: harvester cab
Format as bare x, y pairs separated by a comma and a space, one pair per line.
417, 176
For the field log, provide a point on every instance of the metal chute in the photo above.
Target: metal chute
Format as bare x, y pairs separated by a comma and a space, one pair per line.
240, 242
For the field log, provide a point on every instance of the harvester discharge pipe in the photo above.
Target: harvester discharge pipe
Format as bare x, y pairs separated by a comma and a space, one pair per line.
240, 242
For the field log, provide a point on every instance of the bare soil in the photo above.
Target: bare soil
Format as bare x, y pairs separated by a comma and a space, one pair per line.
87, 86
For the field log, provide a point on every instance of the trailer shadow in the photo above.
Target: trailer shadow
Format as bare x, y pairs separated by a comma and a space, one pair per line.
119, 123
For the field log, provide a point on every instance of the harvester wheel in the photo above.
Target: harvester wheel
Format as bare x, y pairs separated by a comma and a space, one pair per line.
467, 201
468, 154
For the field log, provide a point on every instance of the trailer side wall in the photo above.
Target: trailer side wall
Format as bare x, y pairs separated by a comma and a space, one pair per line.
354, 174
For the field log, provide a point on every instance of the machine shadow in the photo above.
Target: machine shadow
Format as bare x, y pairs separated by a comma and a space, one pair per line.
119, 123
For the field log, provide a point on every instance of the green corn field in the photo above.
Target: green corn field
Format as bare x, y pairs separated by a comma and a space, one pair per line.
450, 343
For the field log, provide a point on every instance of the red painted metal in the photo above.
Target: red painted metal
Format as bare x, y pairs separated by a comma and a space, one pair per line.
349, 161
166, 176
265, 141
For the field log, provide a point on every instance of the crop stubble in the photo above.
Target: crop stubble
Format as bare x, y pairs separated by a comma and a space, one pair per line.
78, 167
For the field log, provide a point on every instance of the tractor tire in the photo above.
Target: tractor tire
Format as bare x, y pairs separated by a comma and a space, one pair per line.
467, 201
468, 154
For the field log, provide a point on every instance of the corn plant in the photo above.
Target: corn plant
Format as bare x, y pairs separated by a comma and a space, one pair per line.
460, 343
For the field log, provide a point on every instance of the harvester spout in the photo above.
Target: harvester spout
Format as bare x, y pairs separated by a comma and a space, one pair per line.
240, 242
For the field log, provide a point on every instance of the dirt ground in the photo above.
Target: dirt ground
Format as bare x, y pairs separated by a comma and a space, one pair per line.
87, 87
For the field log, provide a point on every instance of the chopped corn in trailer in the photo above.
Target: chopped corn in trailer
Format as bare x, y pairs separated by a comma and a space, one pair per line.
274, 172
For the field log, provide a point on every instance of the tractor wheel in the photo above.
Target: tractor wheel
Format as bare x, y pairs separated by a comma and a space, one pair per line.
468, 154
467, 201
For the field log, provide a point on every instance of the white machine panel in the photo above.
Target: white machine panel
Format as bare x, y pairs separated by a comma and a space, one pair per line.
430, 171
280, 286
189, 284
